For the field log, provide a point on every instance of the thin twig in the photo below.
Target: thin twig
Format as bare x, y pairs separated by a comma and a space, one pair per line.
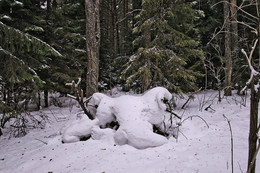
195, 116
183, 134
232, 143
167, 110
240, 167
41, 141
209, 107
191, 96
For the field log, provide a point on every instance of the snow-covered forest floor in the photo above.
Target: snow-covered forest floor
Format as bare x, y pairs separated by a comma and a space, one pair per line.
198, 149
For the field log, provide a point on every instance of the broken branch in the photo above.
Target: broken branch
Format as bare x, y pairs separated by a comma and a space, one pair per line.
79, 97
190, 97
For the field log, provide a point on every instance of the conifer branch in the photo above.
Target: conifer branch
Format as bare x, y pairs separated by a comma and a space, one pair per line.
15, 36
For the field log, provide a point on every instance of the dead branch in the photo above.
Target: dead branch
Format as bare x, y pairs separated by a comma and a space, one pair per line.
209, 107
79, 97
41, 141
249, 59
170, 111
190, 97
251, 53
232, 143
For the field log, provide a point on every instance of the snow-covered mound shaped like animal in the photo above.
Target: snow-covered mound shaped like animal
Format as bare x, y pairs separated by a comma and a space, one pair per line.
135, 115
78, 129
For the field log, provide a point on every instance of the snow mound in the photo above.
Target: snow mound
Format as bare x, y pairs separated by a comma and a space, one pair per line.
135, 115
78, 129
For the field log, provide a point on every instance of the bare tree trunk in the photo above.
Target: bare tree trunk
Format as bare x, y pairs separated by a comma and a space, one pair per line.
255, 93
234, 27
125, 28
46, 100
253, 126
234, 33
115, 27
146, 78
39, 100
92, 44
228, 68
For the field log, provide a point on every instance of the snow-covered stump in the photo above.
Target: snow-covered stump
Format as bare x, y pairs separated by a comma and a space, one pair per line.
136, 116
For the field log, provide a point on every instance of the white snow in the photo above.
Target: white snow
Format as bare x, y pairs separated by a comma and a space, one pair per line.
78, 129
6, 17
34, 28
197, 149
18, 3
136, 116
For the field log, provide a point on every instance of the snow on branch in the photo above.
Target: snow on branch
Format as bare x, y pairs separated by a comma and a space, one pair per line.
79, 97
141, 120
36, 43
254, 73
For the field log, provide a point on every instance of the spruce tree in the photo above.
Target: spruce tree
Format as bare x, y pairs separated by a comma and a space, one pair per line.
167, 55
22, 56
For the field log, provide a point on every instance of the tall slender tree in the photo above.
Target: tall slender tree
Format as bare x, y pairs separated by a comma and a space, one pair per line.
228, 57
251, 13
93, 44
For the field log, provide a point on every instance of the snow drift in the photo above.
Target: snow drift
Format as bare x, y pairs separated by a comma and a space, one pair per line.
136, 116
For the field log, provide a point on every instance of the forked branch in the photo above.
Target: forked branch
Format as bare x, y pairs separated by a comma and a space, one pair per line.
254, 73
79, 97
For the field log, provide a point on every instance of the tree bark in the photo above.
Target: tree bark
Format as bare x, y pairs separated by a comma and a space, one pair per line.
114, 30
46, 100
253, 126
228, 69
39, 100
255, 95
124, 28
234, 27
146, 77
92, 44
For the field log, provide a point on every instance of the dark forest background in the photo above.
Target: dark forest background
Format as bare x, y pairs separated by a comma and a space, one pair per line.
182, 45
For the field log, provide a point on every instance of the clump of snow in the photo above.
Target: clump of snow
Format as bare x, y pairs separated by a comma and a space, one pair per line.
135, 115
6, 17
34, 28
78, 129
18, 3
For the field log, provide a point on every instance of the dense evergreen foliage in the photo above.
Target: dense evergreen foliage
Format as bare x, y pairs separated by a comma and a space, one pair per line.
42, 46
176, 44
167, 52
182, 45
